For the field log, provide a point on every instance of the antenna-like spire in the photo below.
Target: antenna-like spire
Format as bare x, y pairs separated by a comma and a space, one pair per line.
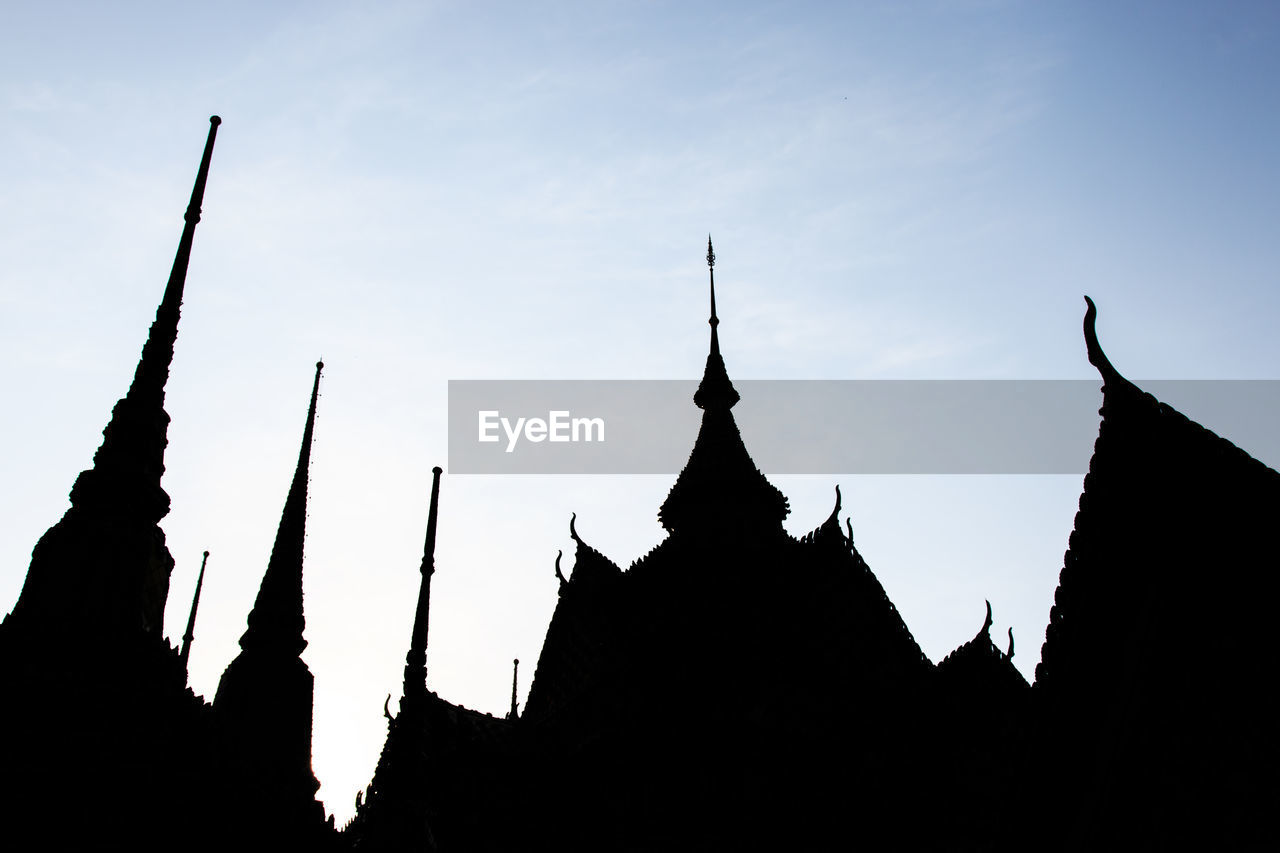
711, 267
276, 619
715, 390
191, 620
515, 675
415, 664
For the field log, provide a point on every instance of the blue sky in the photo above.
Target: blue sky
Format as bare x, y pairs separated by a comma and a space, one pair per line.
420, 192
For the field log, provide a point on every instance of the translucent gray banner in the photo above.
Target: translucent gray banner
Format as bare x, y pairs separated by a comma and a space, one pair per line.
826, 426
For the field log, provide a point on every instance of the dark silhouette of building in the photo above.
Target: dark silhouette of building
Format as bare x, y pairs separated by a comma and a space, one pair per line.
106, 745
735, 688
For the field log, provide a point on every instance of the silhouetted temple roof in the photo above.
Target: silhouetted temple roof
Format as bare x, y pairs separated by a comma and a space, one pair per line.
1159, 641
981, 664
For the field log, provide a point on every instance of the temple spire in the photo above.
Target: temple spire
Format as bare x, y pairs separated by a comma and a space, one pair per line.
720, 486
515, 679
134, 440
190, 635
153, 368
715, 391
711, 266
105, 561
276, 621
415, 664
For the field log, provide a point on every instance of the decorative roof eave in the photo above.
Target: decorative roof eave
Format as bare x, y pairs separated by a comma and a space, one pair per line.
831, 530
1148, 459
980, 647
589, 564
1111, 377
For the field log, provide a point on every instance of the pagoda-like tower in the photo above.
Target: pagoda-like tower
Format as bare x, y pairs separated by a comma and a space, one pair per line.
103, 570
264, 699
91, 687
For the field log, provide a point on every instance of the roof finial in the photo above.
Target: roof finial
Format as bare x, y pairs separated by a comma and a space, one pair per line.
1096, 356
711, 268
715, 390
559, 574
515, 674
415, 662
1009, 654
986, 625
191, 620
276, 618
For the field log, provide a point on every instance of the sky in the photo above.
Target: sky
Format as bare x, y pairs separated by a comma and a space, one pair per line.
419, 192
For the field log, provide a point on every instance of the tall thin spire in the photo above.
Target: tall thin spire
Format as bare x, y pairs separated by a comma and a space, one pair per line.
711, 265
715, 391
515, 679
415, 664
276, 622
134, 440
190, 634
153, 368
105, 561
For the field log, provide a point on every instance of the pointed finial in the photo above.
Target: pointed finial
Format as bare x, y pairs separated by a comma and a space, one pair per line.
1009, 654
986, 625
191, 620
848, 525
429, 549
715, 390
415, 662
573, 531
515, 675
559, 574
1096, 356
711, 267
